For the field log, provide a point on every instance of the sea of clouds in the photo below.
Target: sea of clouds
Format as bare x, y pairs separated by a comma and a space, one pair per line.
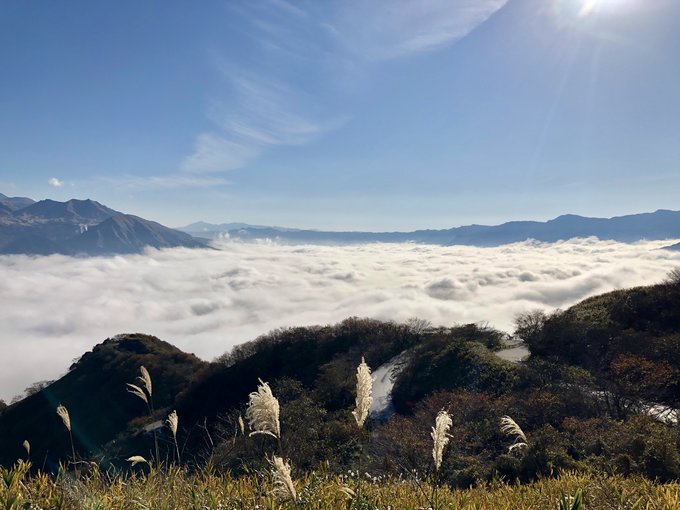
53, 309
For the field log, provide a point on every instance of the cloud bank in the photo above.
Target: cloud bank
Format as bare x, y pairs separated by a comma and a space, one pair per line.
53, 309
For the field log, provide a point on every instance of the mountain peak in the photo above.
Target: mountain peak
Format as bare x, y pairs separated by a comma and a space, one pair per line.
15, 203
81, 227
126, 233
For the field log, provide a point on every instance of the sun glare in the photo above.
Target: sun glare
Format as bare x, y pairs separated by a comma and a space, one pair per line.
587, 8
592, 6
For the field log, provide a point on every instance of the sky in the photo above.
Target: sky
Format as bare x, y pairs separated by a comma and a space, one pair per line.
351, 114
217, 298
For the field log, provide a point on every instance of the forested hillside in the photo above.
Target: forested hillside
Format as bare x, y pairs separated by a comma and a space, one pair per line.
599, 392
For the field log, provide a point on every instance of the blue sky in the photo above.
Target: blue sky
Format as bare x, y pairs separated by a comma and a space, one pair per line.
343, 115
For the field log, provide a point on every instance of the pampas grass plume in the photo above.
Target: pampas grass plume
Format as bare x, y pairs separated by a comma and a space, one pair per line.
172, 422
144, 391
27, 447
138, 392
136, 459
145, 378
283, 483
263, 411
63, 414
440, 437
509, 427
364, 390
347, 492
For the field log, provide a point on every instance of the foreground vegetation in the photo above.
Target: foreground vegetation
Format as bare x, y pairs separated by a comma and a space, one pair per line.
176, 488
593, 411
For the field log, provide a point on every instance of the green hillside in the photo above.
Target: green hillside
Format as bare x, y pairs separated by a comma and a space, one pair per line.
597, 394
95, 394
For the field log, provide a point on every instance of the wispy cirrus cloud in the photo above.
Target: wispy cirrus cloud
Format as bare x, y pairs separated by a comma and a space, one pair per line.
268, 105
266, 114
215, 152
401, 28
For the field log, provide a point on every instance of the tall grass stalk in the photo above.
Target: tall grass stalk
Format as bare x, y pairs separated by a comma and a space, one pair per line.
66, 419
172, 422
363, 400
440, 438
284, 488
144, 391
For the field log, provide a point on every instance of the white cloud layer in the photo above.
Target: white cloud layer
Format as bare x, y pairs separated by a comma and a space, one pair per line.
53, 309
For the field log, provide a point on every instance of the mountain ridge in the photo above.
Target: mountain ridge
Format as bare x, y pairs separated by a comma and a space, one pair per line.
126, 233
81, 227
74, 210
15, 203
658, 225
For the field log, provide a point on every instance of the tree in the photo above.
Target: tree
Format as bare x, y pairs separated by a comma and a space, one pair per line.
529, 325
640, 379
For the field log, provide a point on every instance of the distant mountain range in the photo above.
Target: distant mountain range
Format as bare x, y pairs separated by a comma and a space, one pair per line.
211, 230
80, 227
86, 227
659, 225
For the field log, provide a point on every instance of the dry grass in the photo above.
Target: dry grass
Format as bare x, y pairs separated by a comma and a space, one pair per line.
175, 488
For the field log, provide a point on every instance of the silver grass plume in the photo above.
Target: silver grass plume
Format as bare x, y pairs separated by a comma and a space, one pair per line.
283, 483
145, 379
144, 391
440, 437
63, 414
241, 425
516, 445
137, 391
364, 390
509, 427
136, 459
27, 447
172, 422
263, 411
347, 492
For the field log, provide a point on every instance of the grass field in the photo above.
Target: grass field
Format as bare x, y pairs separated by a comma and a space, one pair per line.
175, 488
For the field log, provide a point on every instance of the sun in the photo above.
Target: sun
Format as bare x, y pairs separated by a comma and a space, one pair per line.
592, 6
580, 11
